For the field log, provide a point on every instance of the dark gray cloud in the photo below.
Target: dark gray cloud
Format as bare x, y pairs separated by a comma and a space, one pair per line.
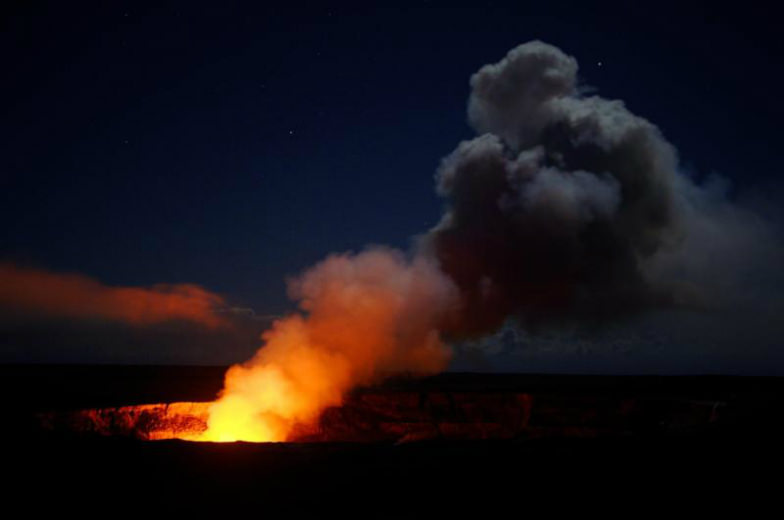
512, 98
570, 208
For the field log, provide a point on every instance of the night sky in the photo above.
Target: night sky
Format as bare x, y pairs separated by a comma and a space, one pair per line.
232, 145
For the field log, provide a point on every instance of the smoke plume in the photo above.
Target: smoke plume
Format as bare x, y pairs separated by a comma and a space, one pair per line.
55, 295
366, 316
565, 208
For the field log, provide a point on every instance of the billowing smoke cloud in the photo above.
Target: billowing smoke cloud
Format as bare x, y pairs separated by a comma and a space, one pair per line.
565, 209
366, 316
42, 293
570, 208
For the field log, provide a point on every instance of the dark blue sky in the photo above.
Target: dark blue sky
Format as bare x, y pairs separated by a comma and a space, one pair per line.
232, 145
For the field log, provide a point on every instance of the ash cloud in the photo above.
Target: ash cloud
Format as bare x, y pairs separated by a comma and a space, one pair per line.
51, 317
566, 209
570, 208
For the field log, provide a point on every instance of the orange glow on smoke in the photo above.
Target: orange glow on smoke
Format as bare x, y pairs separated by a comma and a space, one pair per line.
75, 296
364, 316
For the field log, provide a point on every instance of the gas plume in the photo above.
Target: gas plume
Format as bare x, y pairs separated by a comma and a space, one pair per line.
364, 316
570, 208
565, 208
57, 295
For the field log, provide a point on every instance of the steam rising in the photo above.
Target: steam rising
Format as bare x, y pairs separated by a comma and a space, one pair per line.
367, 315
564, 208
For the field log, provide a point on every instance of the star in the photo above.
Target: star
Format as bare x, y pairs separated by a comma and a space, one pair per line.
599, 64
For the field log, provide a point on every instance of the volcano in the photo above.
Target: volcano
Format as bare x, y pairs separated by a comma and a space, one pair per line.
418, 441
450, 407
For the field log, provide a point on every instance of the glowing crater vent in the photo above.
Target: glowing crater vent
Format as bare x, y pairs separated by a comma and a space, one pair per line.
180, 420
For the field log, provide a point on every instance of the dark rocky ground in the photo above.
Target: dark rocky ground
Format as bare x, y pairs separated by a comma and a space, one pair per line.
690, 445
